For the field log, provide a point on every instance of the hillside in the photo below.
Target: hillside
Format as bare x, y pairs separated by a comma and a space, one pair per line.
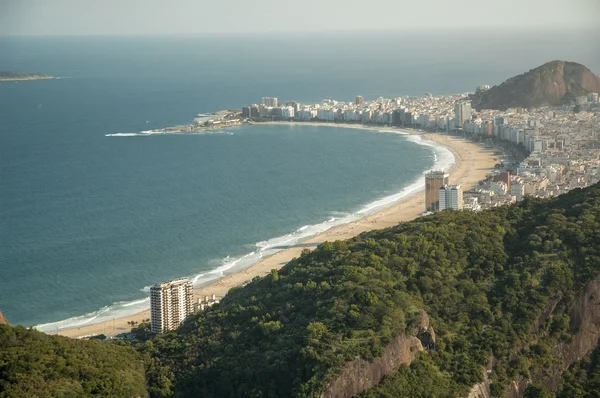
554, 83
501, 302
448, 294
35, 364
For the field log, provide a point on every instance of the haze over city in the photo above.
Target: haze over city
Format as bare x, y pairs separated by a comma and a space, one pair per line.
158, 17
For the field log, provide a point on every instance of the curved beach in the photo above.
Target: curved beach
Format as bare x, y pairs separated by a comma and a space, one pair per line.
472, 163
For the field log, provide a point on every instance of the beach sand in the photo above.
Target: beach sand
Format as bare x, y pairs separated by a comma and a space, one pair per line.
473, 162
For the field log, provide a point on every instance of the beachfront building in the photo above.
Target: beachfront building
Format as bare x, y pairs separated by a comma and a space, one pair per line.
270, 102
462, 112
451, 197
170, 303
434, 180
206, 302
359, 100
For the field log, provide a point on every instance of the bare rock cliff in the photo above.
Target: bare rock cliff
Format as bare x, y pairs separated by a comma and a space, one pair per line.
3, 320
360, 375
585, 329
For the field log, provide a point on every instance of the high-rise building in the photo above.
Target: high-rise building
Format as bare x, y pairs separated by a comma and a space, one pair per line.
270, 102
462, 112
170, 303
451, 197
434, 180
295, 105
250, 111
359, 100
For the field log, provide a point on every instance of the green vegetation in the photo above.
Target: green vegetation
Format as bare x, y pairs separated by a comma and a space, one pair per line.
35, 364
582, 380
483, 279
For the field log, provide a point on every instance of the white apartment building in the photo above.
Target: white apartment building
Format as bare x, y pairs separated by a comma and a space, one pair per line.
270, 102
326, 114
287, 112
451, 197
170, 303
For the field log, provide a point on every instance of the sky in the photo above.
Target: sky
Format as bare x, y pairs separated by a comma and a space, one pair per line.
168, 17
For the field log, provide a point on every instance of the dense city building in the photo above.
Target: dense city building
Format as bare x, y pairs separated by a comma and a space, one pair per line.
170, 303
462, 112
270, 102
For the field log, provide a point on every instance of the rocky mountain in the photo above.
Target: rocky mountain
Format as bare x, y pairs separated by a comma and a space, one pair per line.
3, 320
554, 83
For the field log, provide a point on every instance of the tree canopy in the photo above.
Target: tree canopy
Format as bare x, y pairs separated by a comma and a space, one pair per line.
483, 279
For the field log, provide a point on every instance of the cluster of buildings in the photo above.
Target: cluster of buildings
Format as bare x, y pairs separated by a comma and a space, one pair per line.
563, 142
171, 302
439, 195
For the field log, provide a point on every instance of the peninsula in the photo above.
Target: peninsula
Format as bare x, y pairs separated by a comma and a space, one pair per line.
8, 76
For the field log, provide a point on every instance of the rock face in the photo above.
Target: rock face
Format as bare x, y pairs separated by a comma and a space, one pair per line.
3, 320
360, 375
554, 83
585, 329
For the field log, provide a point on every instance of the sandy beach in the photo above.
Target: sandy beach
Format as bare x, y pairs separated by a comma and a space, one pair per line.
473, 162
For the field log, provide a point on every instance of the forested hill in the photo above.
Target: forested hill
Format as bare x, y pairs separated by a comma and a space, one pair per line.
483, 279
511, 290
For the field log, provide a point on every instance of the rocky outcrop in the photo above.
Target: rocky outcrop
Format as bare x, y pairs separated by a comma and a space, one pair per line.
554, 83
360, 375
584, 328
3, 320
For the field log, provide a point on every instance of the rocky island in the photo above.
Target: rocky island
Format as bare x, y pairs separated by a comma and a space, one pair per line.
8, 76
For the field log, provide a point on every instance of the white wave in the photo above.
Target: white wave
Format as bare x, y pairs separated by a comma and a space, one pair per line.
117, 310
146, 133
123, 135
443, 159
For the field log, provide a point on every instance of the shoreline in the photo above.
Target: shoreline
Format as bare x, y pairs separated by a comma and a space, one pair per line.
471, 164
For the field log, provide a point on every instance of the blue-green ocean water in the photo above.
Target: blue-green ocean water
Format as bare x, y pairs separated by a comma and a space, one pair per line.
89, 221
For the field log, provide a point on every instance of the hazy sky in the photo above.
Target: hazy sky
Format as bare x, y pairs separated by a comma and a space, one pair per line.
92, 17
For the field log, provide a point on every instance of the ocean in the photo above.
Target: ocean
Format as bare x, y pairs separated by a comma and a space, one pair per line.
89, 221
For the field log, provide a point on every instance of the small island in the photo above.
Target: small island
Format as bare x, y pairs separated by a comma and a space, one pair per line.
8, 76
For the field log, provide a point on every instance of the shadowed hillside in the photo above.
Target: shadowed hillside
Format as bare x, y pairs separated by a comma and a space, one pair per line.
554, 83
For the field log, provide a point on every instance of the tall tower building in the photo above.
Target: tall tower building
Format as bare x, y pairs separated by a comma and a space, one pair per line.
462, 112
358, 100
434, 180
170, 303
270, 102
451, 197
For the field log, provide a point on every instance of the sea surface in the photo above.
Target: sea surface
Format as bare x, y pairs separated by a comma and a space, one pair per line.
88, 221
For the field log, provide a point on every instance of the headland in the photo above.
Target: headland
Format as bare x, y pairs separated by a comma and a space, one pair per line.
8, 76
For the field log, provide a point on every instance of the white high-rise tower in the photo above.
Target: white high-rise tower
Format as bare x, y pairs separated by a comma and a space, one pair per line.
170, 303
